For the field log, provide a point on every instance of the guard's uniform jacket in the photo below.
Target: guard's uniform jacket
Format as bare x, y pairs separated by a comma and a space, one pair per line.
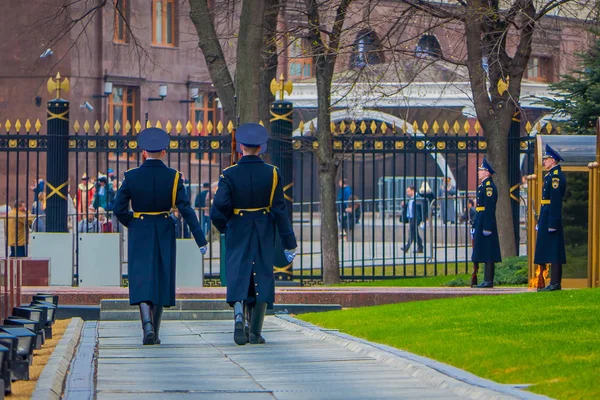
249, 203
153, 189
550, 246
486, 248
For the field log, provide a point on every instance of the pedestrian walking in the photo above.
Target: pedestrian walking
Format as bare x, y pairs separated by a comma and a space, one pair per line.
413, 213
550, 244
17, 229
486, 244
153, 190
247, 207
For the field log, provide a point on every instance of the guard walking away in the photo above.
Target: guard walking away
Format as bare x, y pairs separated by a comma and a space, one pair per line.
247, 207
153, 189
550, 244
486, 245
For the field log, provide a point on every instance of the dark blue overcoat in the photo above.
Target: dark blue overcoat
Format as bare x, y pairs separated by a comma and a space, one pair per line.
486, 248
153, 189
550, 246
249, 203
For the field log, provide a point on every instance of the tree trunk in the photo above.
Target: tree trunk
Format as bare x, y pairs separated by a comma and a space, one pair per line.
249, 61
327, 175
269, 53
208, 41
496, 133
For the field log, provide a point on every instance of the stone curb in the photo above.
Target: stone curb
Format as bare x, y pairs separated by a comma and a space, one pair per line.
434, 373
51, 381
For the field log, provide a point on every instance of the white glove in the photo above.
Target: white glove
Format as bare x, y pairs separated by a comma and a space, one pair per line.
290, 254
551, 230
536, 227
487, 233
472, 233
203, 249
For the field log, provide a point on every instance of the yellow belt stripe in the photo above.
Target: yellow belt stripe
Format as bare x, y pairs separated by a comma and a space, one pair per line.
479, 208
139, 214
273, 187
175, 183
545, 202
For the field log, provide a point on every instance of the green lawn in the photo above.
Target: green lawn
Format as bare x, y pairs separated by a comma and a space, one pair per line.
430, 281
550, 340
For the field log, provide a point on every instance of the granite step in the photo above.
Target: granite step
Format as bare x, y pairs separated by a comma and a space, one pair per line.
169, 315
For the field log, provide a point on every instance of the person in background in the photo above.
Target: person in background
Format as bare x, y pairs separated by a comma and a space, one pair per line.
351, 215
446, 199
486, 242
202, 203
17, 229
71, 210
37, 189
90, 223
550, 242
104, 195
38, 210
104, 224
344, 195
84, 196
414, 215
469, 213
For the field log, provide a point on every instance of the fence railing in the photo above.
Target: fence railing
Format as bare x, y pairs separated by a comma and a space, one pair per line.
379, 163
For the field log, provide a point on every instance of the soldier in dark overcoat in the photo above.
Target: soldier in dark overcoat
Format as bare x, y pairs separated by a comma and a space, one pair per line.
247, 207
153, 190
550, 244
486, 244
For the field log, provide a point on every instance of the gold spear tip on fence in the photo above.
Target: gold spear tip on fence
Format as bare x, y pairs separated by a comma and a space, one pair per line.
56, 85
281, 86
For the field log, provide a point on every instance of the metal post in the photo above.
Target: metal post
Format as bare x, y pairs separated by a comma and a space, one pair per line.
281, 155
57, 165
514, 174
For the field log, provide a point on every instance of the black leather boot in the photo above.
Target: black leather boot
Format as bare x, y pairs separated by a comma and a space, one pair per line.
157, 312
247, 318
239, 337
488, 276
256, 324
147, 328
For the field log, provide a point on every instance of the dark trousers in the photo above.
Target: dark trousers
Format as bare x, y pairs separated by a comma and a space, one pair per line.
413, 234
555, 273
18, 251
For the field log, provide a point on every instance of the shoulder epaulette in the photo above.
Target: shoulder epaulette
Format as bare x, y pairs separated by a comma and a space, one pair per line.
131, 169
271, 165
231, 166
555, 172
487, 183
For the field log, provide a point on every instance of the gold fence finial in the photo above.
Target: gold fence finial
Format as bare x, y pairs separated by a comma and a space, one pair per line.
57, 85
281, 86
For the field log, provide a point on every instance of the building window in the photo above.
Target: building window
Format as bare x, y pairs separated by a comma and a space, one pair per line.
539, 69
163, 22
121, 19
366, 50
122, 105
428, 46
204, 110
300, 63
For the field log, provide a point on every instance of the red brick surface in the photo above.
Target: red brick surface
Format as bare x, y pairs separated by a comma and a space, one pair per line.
346, 297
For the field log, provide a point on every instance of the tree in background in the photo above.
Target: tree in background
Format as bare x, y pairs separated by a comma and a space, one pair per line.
578, 94
501, 34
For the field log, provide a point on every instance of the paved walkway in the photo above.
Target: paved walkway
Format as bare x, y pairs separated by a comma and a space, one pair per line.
198, 359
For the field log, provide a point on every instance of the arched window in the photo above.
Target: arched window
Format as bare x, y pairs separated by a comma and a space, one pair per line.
428, 46
366, 50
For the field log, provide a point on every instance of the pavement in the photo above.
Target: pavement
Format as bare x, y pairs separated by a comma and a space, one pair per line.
199, 360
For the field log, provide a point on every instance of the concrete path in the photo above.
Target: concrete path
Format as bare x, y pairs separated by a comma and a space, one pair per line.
198, 359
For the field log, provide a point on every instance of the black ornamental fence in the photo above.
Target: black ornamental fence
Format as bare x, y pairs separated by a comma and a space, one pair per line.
379, 162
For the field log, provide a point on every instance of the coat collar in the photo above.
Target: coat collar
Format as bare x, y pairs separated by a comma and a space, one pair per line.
250, 159
153, 163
